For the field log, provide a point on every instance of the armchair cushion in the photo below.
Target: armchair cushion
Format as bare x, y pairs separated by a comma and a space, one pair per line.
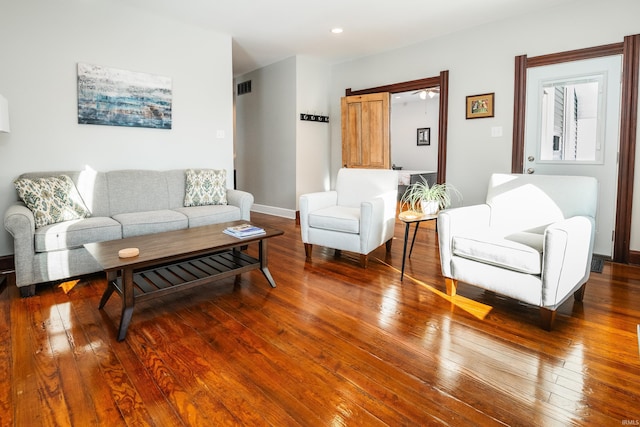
336, 218
519, 251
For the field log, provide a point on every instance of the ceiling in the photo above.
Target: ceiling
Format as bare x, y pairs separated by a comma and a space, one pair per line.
267, 31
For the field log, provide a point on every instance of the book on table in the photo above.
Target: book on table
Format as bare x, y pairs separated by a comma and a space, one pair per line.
244, 231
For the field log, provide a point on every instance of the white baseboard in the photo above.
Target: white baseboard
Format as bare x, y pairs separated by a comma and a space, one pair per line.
272, 210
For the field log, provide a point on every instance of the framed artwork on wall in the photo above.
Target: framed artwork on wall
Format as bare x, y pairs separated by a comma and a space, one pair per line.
424, 136
109, 96
480, 106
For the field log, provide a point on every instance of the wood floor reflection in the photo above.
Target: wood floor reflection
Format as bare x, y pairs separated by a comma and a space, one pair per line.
332, 345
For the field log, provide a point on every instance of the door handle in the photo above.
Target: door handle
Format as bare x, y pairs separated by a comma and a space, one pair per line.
530, 170
531, 158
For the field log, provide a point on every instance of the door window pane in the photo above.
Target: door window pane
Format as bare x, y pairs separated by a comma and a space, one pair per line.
571, 120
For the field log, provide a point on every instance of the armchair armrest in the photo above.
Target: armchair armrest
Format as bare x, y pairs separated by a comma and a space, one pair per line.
20, 223
377, 220
311, 202
568, 248
241, 199
455, 221
373, 223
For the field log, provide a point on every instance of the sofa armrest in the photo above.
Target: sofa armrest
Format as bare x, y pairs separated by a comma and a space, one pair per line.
241, 199
20, 223
452, 222
312, 202
566, 263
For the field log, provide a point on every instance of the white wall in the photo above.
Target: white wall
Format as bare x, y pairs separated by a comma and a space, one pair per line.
278, 156
313, 154
406, 118
481, 60
266, 135
42, 42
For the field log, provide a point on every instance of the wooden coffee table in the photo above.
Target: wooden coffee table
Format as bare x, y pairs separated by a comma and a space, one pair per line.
174, 261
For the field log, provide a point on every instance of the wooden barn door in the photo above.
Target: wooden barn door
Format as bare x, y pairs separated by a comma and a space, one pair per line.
365, 131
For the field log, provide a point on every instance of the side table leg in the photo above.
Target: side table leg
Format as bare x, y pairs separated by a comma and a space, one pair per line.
127, 303
415, 231
263, 262
404, 249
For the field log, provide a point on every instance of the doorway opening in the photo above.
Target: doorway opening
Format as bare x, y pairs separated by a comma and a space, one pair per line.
440, 82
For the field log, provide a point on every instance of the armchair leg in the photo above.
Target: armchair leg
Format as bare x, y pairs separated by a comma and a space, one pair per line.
452, 286
388, 244
364, 260
579, 294
547, 318
308, 248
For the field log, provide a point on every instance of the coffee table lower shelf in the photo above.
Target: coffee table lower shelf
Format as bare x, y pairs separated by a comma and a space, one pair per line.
169, 278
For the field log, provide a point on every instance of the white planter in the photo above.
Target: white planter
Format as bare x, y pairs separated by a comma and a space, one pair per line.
429, 207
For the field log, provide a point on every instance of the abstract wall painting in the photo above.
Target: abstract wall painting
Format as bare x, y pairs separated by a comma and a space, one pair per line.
108, 96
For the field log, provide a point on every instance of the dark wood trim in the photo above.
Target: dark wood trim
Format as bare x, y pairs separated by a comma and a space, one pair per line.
6, 264
626, 158
519, 99
443, 123
576, 55
441, 81
628, 123
634, 257
398, 87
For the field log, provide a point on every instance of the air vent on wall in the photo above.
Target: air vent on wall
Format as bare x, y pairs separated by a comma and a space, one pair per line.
244, 87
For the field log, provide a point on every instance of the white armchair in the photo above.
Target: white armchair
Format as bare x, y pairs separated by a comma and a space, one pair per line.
532, 240
358, 216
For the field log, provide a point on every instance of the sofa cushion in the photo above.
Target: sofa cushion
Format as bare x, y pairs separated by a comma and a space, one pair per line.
139, 223
75, 233
137, 191
336, 218
51, 199
205, 187
207, 215
518, 251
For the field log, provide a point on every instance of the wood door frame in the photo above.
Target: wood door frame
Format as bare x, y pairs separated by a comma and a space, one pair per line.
442, 81
630, 51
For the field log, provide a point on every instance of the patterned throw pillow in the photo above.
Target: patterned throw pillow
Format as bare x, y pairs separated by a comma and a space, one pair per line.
205, 187
51, 199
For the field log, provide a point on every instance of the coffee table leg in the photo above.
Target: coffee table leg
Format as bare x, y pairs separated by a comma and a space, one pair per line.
111, 276
263, 262
127, 303
236, 252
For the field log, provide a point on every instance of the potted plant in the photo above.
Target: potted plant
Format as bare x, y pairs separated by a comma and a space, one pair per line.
420, 197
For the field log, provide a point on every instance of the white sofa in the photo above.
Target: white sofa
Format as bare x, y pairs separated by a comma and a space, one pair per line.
358, 216
532, 240
122, 203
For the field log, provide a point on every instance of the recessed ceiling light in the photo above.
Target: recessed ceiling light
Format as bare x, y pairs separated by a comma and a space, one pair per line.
336, 30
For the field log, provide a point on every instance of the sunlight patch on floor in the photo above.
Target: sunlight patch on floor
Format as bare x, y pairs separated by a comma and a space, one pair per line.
68, 286
475, 308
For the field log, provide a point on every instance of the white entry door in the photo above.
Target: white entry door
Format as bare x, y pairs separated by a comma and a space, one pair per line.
572, 128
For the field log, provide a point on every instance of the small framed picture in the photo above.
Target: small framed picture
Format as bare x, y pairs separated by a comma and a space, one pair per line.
479, 106
424, 136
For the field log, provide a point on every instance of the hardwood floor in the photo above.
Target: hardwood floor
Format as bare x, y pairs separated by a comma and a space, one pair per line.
332, 345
